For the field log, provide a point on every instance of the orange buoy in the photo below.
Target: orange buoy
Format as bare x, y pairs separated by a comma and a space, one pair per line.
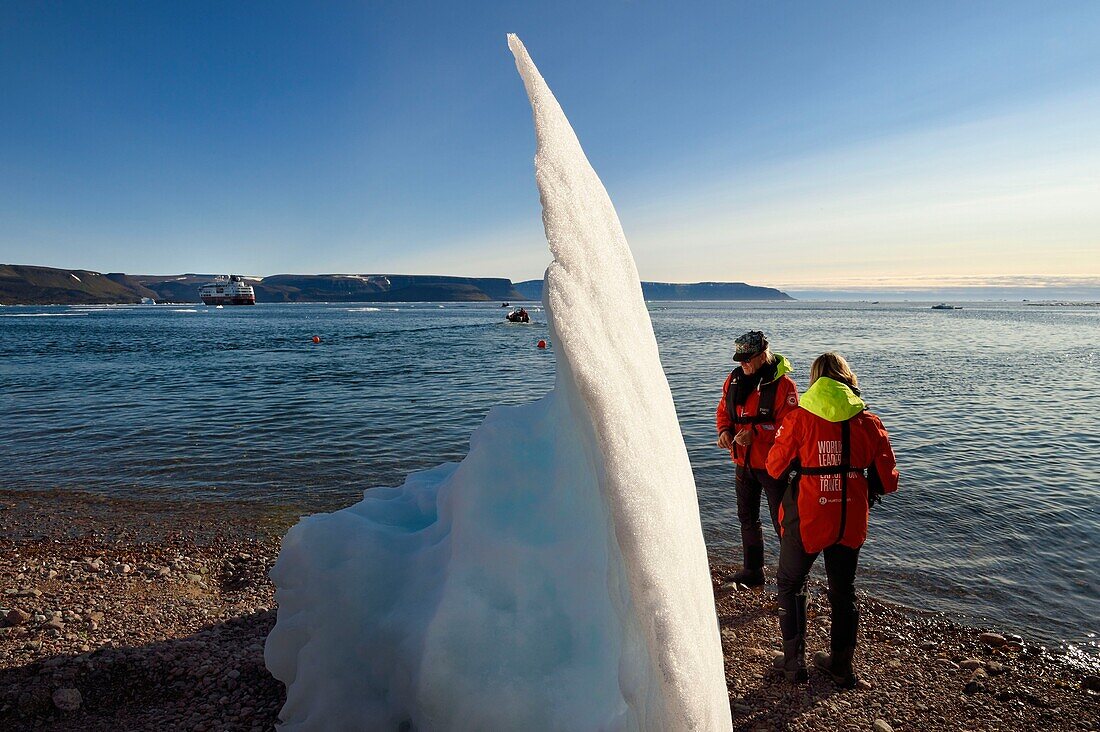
542, 344
316, 339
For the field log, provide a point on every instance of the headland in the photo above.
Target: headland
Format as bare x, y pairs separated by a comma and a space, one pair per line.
32, 285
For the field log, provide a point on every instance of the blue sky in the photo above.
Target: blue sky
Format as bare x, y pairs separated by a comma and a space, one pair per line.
798, 145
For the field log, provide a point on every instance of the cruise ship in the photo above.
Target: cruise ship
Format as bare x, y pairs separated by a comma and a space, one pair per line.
228, 290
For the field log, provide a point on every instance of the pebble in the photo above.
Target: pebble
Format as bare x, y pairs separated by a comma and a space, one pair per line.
16, 616
947, 662
995, 667
971, 664
1091, 683
974, 685
67, 699
994, 640
881, 725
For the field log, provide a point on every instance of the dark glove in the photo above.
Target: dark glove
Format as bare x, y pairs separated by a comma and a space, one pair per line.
875, 491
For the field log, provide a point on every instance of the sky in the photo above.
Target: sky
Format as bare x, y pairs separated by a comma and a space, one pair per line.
801, 145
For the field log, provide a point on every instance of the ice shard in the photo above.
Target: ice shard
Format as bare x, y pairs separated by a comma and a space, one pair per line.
556, 578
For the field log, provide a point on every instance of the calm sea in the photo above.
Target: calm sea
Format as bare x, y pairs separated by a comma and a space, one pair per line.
992, 409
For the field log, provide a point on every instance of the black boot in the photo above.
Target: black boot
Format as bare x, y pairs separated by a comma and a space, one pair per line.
792, 664
838, 665
792, 624
752, 574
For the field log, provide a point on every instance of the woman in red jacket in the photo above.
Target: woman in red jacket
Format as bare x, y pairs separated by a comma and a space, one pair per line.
839, 461
755, 398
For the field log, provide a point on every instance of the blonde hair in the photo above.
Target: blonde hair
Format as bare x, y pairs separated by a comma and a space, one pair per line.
833, 366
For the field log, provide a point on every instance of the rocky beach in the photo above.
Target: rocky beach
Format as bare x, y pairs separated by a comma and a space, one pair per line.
131, 615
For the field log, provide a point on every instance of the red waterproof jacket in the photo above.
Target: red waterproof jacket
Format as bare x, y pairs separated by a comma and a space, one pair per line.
827, 504
747, 415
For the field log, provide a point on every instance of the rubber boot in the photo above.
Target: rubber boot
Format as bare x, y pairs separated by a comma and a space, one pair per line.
752, 574
838, 665
792, 663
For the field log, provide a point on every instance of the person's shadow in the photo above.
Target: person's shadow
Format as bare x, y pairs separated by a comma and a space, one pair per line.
775, 704
214, 680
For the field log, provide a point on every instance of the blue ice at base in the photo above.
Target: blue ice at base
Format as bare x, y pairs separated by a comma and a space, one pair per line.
556, 578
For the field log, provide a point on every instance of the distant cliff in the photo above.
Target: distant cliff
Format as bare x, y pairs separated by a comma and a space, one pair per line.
532, 290
28, 285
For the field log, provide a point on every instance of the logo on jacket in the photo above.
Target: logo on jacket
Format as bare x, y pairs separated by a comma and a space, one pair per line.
823, 500
792, 400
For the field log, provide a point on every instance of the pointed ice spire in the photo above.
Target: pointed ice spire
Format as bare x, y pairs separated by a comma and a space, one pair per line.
605, 339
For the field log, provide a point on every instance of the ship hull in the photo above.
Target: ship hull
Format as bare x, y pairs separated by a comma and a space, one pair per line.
228, 300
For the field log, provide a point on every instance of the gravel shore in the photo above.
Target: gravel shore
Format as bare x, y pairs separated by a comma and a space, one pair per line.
126, 615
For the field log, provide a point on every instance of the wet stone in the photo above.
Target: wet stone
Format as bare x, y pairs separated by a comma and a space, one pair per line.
993, 640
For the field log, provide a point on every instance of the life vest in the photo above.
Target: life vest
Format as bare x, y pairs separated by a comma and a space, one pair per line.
765, 407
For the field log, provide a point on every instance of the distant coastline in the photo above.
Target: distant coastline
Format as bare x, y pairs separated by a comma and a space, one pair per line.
33, 285
532, 290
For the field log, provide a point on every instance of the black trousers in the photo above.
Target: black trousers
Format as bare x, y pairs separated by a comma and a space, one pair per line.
751, 482
794, 568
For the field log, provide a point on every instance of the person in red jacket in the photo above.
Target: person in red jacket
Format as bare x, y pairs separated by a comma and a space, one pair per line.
755, 398
838, 459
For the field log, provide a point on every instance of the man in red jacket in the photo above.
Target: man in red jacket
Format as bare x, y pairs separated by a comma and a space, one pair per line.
839, 460
755, 398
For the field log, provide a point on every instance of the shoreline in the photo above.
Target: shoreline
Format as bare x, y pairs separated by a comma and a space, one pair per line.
129, 614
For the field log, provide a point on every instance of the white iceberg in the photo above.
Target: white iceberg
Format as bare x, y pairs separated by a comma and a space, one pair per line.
556, 578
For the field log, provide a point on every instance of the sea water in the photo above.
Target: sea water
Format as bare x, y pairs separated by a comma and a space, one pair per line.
992, 411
